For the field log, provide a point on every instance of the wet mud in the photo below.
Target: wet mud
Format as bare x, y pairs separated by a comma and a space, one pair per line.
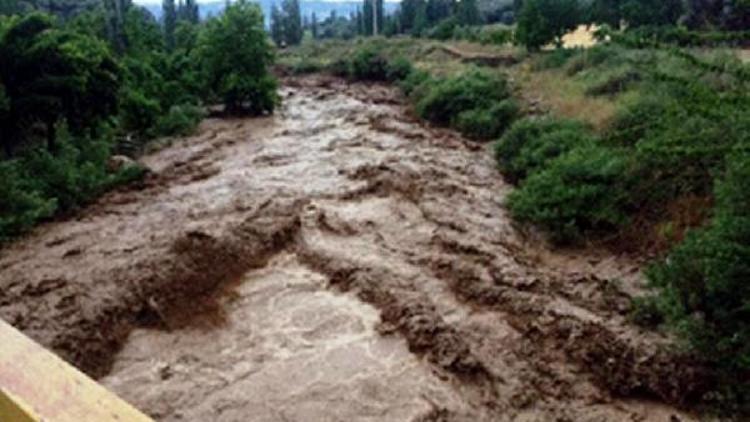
339, 261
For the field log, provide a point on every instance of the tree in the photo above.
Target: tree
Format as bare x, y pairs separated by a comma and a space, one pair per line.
188, 11
408, 14
726, 14
468, 13
51, 75
277, 25
649, 12
373, 17
169, 11
437, 10
292, 19
115, 17
543, 21
606, 12
314, 25
236, 55
420, 19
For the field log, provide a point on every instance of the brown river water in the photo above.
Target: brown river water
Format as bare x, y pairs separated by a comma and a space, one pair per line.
339, 261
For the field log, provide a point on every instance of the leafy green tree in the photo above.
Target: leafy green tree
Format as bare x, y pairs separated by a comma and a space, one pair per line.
169, 11
437, 10
292, 22
185, 37
188, 11
468, 13
541, 22
408, 14
314, 26
115, 11
277, 25
236, 56
649, 12
606, 12
373, 17
142, 32
51, 75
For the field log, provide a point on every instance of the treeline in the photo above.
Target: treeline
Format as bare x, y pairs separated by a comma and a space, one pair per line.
541, 22
414, 17
75, 88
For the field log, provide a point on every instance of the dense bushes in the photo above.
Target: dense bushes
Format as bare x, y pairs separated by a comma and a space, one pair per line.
569, 184
369, 64
180, 120
485, 124
705, 294
476, 102
449, 29
38, 184
683, 37
578, 193
471, 90
530, 144
20, 208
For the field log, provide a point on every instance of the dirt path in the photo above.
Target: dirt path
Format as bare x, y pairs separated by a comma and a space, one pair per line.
336, 262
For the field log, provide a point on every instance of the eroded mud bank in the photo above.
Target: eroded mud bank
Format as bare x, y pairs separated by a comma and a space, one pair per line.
338, 261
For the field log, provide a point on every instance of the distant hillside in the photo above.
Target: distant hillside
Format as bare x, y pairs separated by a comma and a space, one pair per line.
321, 8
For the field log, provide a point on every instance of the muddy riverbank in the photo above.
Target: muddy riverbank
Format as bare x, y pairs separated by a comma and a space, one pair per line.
338, 261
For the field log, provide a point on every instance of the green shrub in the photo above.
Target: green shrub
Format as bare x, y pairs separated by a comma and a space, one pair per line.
703, 284
180, 120
306, 66
615, 83
413, 81
20, 206
578, 193
531, 143
39, 184
444, 29
398, 69
554, 59
646, 312
369, 64
138, 113
485, 124
448, 97
340, 67
635, 120
496, 36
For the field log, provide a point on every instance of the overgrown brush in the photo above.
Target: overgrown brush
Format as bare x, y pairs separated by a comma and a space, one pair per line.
579, 193
487, 124
38, 184
477, 103
449, 97
704, 293
531, 143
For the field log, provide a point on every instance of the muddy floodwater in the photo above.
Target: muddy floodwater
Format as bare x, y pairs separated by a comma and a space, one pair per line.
339, 261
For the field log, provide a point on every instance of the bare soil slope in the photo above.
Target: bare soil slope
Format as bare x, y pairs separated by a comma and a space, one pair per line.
338, 261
